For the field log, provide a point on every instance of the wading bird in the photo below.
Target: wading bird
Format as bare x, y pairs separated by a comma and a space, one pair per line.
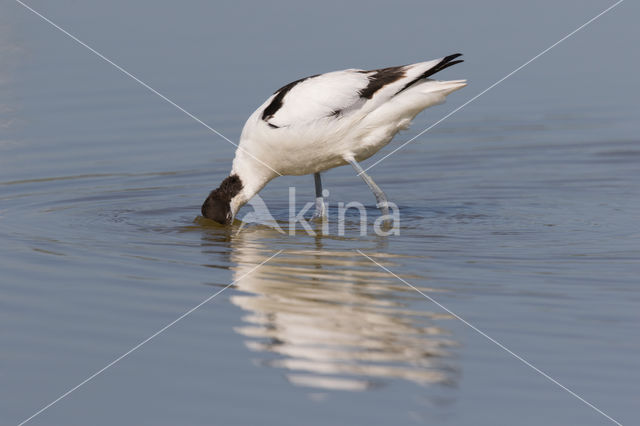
325, 121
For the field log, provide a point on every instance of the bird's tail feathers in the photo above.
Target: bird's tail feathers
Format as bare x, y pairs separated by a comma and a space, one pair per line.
446, 87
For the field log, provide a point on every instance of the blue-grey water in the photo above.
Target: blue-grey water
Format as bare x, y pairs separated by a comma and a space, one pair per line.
519, 213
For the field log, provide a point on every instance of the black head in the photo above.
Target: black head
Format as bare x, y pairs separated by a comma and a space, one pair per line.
217, 206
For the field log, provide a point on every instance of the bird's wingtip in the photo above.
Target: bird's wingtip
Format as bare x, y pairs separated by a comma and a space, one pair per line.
446, 62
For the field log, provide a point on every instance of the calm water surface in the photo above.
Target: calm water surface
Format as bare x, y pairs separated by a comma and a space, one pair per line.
519, 213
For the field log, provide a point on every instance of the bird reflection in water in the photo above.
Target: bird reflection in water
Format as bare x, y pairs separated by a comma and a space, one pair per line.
335, 320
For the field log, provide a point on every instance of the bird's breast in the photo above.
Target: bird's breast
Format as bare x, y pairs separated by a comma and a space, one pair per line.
304, 150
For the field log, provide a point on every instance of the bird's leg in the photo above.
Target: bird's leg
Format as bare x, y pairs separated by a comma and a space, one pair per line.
381, 199
320, 207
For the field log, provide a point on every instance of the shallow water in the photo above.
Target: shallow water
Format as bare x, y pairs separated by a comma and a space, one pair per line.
519, 214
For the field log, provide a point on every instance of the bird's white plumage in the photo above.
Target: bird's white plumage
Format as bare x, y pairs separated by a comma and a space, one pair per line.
319, 97
324, 121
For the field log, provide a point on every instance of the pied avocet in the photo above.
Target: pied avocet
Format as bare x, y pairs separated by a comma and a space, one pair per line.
325, 121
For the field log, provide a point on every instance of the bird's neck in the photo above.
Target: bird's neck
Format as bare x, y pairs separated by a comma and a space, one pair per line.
253, 175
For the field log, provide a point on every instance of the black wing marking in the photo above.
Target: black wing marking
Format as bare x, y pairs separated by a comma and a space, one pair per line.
276, 103
446, 62
380, 78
